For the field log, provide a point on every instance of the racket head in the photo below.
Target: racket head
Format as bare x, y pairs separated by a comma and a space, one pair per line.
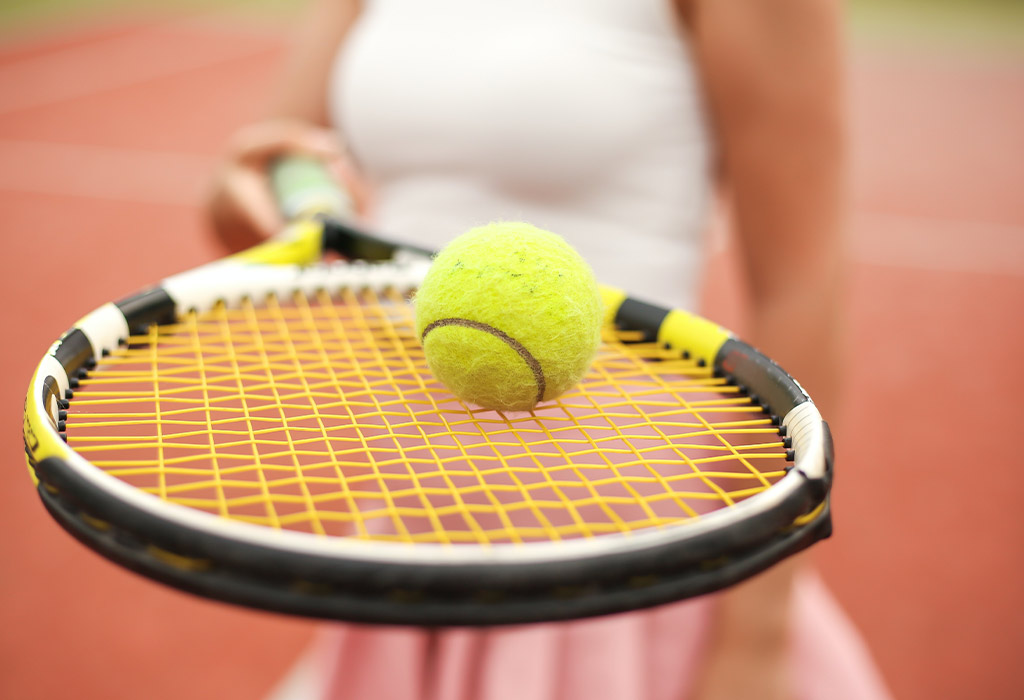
571, 566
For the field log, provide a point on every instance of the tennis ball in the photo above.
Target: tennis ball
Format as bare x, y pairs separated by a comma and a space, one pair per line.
509, 316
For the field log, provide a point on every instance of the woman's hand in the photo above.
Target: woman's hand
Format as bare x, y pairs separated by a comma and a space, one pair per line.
240, 203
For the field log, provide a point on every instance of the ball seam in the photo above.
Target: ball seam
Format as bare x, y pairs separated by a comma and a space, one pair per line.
520, 349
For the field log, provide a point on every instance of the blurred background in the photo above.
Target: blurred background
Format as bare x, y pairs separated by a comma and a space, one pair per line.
111, 115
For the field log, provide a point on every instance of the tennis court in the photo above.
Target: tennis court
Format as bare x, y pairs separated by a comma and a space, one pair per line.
108, 130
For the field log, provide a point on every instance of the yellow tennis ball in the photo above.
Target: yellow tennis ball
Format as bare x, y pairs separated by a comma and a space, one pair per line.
509, 316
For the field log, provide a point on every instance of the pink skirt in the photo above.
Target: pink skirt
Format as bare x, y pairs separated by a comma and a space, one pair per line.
647, 655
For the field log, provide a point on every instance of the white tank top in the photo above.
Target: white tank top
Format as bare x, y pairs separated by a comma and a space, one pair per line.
583, 117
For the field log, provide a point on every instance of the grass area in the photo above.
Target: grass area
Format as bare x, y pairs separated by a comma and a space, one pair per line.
971, 24
967, 23
32, 16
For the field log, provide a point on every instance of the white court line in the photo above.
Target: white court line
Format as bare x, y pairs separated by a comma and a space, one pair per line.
97, 172
916, 242
117, 62
933, 243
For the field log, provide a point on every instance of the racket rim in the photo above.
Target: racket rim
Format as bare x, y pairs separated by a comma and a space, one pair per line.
807, 483
363, 601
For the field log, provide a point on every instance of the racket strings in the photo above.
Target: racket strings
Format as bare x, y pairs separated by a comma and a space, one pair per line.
319, 414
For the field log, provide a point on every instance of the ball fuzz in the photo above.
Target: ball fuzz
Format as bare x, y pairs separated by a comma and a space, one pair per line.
509, 316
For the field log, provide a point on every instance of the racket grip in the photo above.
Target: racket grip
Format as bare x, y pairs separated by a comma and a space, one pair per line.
303, 186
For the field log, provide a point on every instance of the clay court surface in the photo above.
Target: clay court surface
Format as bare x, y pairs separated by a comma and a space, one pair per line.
107, 136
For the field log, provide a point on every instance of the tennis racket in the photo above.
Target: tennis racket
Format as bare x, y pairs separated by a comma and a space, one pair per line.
264, 430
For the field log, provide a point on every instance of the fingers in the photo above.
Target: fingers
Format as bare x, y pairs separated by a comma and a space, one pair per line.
242, 209
257, 144
353, 183
241, 204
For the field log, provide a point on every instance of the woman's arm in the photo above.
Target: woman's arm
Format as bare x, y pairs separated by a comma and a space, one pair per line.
772, 70
301, 90
773, 74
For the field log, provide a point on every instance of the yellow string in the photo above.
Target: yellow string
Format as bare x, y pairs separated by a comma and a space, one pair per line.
319, 414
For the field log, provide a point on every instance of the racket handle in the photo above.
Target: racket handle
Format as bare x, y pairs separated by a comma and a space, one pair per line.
303, 186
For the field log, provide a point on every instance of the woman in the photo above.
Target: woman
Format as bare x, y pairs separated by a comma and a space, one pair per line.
602, 120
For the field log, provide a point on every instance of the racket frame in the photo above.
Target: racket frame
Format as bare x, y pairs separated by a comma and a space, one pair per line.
429, 584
